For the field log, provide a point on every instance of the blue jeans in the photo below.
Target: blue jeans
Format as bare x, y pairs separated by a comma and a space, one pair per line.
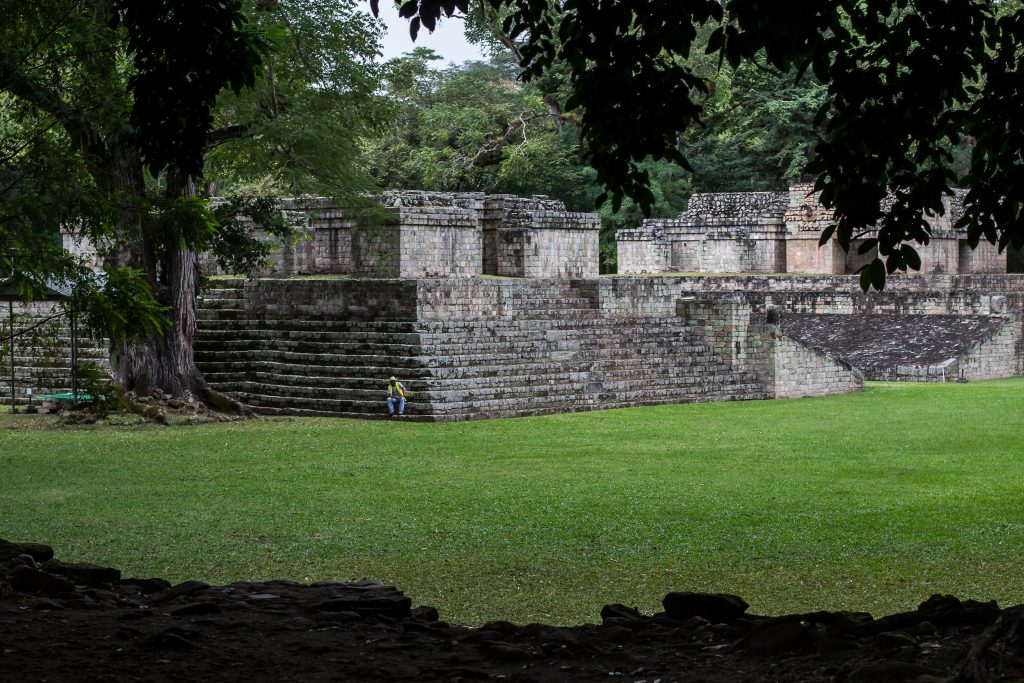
391, 405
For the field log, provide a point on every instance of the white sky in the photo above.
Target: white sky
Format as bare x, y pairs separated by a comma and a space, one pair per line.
446, 40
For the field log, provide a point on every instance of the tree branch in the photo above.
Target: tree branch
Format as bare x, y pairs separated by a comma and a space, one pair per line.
82, 134
216, 138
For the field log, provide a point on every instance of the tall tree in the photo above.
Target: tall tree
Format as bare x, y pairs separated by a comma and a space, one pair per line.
131, 88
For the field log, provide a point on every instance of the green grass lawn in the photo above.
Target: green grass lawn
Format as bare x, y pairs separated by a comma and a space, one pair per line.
870, 501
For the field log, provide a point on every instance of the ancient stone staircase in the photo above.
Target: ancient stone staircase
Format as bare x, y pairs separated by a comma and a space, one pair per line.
303, 367
550, 350
556, 350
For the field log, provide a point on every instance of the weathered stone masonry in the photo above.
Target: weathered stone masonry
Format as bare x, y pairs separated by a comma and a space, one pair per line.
475, 347
778, 232
440, 234
549, 336
466, 348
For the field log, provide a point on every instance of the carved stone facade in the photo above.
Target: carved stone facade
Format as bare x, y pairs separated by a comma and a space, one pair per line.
778, 232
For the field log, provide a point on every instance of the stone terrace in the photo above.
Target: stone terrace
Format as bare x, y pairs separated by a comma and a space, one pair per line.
465, 349
478, 347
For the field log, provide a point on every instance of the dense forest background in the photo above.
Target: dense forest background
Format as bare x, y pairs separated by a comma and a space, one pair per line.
478, 127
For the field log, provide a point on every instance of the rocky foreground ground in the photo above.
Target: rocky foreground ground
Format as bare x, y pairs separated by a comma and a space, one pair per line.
80, 622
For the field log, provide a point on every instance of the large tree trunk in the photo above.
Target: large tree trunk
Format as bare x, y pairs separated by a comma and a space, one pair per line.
166, 361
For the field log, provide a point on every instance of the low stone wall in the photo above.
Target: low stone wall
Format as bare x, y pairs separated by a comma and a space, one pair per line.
991, 358
753, 340
42, 356
801, 371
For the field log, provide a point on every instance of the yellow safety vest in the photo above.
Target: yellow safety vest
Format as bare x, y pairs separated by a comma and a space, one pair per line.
397, 386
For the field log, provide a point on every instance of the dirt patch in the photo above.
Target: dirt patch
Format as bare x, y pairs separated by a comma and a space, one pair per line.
78, 622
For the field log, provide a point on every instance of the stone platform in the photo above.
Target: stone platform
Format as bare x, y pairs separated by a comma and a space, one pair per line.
485, 347
473, 348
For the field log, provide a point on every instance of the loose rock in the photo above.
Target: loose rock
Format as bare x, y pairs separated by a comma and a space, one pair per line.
715, 607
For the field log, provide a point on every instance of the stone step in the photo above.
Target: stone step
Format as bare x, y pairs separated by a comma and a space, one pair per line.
468, 352
475, 412
525, 340
360, 396
541, 382
356, 407
242, 325
207, 335
270, 404
207, 357
221, 282
475, 326
438, 327
498, 367
440, 369
517, 406
312, 412
366, 348
363, 376
209, 303
551, 386
565, 348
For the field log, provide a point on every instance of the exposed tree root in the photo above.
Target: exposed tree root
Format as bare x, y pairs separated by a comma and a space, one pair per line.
218, 401
146, 410
972, 668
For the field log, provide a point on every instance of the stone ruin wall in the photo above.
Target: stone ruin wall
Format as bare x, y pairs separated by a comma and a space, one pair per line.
284, 342
752, 340
778, 232
643, 250
438, 234
724, 232
42, 359
476, 347
991, 358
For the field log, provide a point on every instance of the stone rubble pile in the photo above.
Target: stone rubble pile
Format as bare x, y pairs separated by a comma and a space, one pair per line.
72, 622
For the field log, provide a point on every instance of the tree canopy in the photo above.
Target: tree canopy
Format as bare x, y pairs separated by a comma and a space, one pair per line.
906, 84
117, 109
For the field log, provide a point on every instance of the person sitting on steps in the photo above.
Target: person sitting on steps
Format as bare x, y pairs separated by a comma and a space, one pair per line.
396, 394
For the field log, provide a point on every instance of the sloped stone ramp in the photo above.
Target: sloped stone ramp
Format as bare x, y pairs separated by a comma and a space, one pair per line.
897, 346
